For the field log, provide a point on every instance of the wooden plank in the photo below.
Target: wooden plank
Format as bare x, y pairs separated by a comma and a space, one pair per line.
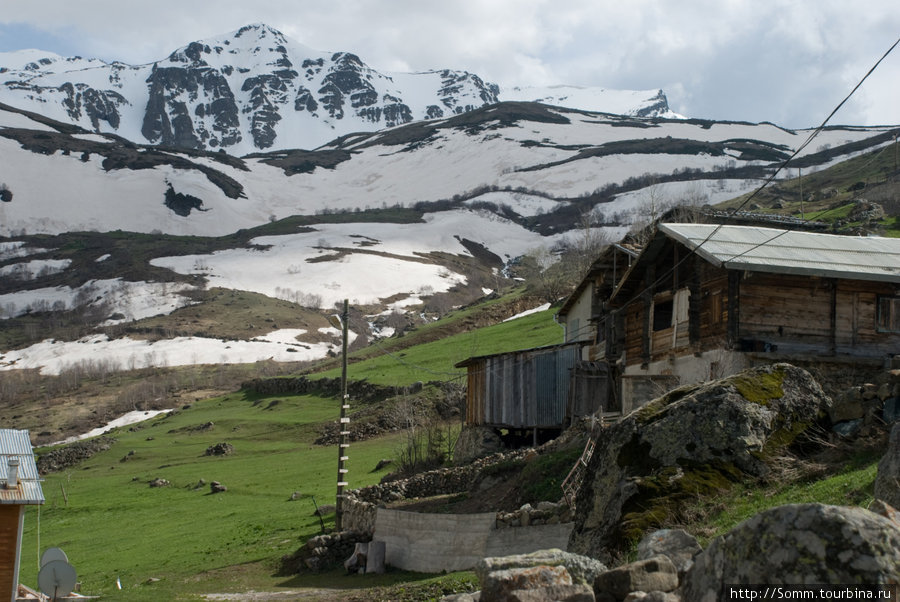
734, 291
9, 547
832, 336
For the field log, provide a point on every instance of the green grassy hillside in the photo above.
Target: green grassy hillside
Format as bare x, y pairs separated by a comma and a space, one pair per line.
113, 525
399, 362
176, 541
830, 195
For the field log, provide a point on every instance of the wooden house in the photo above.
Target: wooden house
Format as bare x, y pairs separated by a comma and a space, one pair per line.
579, 311
19, 487
704, 301
700, 301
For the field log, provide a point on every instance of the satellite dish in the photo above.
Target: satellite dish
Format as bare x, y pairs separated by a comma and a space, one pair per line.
57, 579
51, 554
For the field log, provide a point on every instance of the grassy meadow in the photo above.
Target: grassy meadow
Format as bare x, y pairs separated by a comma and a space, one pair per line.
167, 542
180, 541
394, 362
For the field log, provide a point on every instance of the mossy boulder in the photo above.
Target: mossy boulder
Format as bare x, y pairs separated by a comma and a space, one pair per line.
696, 440
798, 544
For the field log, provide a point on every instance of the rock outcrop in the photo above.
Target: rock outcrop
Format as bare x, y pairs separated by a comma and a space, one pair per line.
798, 544
656, 574
696, 440
793, 545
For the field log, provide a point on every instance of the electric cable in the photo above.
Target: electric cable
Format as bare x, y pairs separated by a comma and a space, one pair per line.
768, 181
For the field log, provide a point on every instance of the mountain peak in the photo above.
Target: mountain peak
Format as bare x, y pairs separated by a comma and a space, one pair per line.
260, 31
255, 89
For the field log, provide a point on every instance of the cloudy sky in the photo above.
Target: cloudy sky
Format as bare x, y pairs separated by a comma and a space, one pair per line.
785, 61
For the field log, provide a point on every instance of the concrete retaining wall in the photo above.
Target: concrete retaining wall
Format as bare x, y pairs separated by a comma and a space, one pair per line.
431, 543
524, 540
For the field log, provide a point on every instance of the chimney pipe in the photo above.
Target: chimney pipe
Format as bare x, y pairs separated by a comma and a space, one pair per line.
12, 479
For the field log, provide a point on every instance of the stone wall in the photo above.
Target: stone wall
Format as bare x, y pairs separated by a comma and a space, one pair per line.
359, 390
360, 505
323, 552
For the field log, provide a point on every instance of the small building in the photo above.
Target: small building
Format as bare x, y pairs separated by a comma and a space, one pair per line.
524, 393
705, 301
19, 487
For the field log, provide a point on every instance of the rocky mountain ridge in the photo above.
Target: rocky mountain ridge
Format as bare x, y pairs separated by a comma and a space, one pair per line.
254, 89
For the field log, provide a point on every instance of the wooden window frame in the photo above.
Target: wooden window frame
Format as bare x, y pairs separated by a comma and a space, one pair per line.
887, 313
663, 307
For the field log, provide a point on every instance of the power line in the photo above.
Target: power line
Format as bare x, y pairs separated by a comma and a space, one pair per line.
815, 133
768, 181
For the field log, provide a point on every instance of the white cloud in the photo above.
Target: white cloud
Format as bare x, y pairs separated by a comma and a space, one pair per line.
786, 61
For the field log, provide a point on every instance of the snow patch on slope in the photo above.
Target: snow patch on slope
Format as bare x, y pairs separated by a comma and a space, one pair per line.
54, 357
133, 300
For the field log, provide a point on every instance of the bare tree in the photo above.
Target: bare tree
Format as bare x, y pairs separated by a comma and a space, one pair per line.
589, 242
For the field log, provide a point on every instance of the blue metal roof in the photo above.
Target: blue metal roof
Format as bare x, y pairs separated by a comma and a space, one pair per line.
27, 490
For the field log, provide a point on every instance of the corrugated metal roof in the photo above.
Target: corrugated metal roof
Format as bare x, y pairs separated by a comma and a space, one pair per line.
16, 444
477, 358
773, 250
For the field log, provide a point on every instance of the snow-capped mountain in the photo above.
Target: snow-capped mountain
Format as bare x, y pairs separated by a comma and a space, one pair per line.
531, 158
386, 218
254, 89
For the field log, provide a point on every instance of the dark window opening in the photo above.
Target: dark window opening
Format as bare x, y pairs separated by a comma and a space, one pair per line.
662, 314
887, 318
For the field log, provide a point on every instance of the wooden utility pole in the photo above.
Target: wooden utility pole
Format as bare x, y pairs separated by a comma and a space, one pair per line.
895, 155
344, 425
800, 176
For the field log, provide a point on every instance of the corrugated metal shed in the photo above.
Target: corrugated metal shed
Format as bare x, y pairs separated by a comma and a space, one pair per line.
16, 444
758, 249
520, 389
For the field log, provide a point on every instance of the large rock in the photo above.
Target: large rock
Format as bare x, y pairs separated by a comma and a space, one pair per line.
498, 585
891, 411
655, 574
677, 545
696, 440
552, 593
476, 442
887, 483
798, 544
581, 568
847, 406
